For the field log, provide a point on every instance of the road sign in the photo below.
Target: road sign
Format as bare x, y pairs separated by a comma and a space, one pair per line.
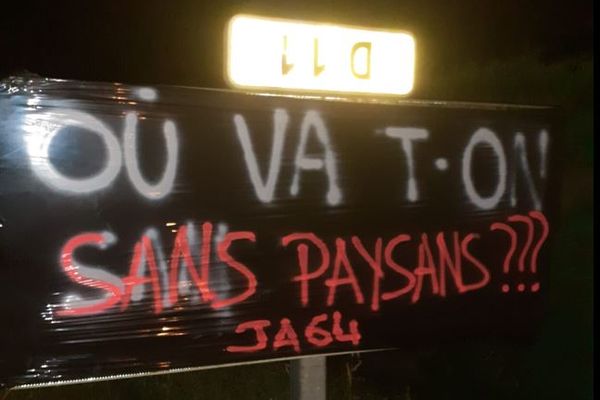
267, 53
149, 230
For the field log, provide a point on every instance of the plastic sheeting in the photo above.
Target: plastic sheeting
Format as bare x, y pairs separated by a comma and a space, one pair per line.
155, 229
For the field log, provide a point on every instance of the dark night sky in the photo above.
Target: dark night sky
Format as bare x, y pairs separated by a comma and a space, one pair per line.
181, 42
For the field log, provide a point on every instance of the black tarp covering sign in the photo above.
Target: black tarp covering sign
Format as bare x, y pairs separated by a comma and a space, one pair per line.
158, 229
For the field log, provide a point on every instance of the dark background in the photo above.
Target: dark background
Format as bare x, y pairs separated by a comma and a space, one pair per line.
535, 52
181, 42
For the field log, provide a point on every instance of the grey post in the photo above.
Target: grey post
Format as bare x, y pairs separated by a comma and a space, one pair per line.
308, 378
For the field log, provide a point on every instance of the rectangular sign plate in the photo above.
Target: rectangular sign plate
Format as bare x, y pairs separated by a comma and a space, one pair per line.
264, 53
148, 230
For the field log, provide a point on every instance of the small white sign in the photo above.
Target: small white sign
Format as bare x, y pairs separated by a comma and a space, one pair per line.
266, 53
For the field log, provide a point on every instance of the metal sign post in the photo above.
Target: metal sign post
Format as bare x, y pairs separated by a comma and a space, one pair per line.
308, 378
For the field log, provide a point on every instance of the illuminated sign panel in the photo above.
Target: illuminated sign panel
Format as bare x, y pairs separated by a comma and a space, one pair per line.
279, 54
